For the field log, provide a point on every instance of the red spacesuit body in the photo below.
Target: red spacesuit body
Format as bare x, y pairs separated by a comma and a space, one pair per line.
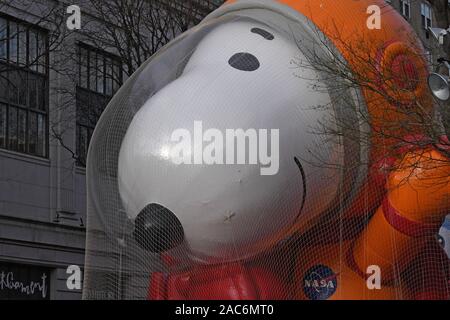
232, 281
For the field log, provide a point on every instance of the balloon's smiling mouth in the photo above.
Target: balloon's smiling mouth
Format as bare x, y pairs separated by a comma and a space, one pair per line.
302, 171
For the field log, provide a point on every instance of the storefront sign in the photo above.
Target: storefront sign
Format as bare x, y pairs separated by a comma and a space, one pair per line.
22, 282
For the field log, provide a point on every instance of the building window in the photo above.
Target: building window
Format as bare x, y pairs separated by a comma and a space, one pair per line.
100, 76
426, 12
23, 88
405, 6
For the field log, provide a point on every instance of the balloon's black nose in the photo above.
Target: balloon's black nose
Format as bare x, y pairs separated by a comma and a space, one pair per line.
157, 229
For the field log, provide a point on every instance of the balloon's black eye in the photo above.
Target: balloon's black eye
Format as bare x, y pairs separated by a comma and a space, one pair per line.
244, 61
263, 33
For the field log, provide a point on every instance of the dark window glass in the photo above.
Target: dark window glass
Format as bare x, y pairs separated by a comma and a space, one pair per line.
83, 81
100, 74
3, 39
41, 138
32, 133
13, 86
83, 107
93, 71
3, 83
22, 131
3, 123
426, 13
117, 76
12, 128
17, 87
96, 107
83, 142
33, 50
42, 53
32, 91
22, 46
13, 42
22, 88
100, 77
41, 96
109, 77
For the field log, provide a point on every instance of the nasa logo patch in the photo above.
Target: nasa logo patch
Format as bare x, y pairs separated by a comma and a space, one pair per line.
319, 283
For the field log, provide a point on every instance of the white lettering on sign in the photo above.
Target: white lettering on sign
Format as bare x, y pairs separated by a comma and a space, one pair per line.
7, 282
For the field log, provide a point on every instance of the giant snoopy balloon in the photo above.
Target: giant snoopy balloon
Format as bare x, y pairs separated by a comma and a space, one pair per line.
209, 176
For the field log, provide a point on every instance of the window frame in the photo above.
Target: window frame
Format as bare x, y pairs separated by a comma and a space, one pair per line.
116, 61
90, 93
40, 75
403, 5
426, 21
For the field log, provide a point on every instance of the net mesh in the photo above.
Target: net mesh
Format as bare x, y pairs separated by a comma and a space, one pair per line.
157, 230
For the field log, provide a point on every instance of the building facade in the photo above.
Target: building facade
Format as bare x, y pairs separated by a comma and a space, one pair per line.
46, 119
421, 14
